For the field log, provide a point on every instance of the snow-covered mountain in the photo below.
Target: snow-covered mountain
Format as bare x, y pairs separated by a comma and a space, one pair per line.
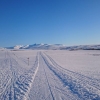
15, 47
38, 46
56, 47
84, 47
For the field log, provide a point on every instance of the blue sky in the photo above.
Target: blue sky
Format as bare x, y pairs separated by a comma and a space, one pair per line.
69, 22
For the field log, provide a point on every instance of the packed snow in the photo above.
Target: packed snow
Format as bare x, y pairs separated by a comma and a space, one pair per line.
49, 74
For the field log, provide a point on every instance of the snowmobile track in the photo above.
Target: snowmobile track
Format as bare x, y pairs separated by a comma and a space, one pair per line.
84, 87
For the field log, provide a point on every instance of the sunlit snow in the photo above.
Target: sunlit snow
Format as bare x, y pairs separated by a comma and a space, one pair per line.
49, 74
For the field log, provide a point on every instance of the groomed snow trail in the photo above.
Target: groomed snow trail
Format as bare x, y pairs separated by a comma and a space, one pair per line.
43, 80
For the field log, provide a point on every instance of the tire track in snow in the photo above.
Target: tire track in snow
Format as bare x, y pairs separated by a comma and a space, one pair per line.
9, 93
8, 81
56, 88
16, 86
41, 89
21, 59
84, 90
48, 85
94, 82
24, 82
26, 96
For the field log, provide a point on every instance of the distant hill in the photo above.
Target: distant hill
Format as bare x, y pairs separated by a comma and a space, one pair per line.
55, 47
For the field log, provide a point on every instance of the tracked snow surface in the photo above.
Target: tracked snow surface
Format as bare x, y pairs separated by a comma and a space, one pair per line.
49, 75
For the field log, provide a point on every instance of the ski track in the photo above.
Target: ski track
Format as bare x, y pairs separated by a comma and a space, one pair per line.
44, 80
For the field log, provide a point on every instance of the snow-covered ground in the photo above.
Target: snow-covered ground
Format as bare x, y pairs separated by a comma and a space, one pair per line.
49, 75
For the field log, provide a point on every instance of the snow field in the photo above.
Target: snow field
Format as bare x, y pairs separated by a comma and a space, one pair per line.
86, 62
50, 75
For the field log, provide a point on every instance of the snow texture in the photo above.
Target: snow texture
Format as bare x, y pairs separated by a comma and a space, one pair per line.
49, 75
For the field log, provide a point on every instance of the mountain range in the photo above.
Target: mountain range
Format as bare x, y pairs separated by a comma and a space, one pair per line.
55, 47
